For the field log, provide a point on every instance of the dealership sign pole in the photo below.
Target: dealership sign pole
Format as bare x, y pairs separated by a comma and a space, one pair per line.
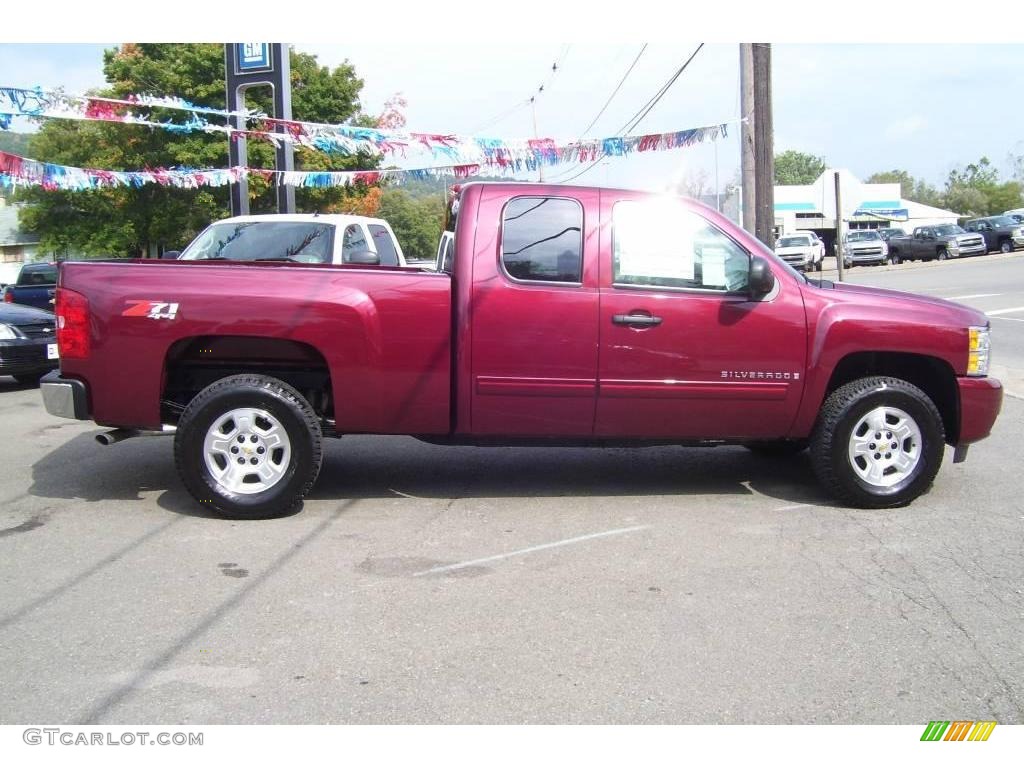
249, 65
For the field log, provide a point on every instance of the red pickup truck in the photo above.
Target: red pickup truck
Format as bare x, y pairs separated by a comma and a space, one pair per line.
570, 315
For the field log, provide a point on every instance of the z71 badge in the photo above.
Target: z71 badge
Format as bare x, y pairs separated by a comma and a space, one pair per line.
154, 310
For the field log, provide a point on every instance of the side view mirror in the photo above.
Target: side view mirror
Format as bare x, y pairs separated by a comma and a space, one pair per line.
170, 254
761, 279
369, 258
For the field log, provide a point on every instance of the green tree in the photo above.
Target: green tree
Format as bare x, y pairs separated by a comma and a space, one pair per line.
967, 201
14, 142
792, 167
131, 221
917, 190
416, 221
1005, 197
975, 190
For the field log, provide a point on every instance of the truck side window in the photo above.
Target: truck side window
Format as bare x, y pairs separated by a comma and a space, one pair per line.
383, 245
542, 239
353, 241
660, 244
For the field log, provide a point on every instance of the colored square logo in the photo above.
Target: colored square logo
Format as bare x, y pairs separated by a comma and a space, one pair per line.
253, 57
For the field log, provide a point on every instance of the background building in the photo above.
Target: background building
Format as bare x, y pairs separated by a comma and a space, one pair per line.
865, 206
16, 247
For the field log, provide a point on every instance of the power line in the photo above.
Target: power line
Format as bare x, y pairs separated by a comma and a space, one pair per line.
617, 87
556, 67
638, 117
658, 96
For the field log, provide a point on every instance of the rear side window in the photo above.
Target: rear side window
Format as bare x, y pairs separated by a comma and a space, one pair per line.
353, 240
263, 241
385, 247
42, 275
542, 239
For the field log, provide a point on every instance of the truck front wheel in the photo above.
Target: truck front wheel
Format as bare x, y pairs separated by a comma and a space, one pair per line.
878, 443
249, 447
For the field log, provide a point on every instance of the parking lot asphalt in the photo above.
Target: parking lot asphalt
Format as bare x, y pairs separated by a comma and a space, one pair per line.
423, 584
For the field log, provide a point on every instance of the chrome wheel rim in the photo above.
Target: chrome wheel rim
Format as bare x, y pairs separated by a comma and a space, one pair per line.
885, 447
247, 450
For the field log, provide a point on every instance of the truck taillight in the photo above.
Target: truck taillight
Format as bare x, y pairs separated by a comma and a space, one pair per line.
8, 297
72, 310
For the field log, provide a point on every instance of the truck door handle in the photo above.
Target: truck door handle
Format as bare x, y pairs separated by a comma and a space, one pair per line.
636, 320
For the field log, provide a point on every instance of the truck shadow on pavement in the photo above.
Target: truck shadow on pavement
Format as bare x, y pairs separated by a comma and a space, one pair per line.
365, 467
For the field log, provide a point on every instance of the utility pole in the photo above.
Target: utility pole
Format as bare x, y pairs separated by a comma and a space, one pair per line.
764, 144
747, 136
756, 136
839, 230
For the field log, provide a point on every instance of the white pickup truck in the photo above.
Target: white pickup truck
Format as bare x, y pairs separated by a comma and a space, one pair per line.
311, 238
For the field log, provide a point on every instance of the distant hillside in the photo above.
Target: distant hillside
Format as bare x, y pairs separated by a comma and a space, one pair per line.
15, 143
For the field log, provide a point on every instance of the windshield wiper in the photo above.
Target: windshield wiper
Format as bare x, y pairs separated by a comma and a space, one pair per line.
275, 258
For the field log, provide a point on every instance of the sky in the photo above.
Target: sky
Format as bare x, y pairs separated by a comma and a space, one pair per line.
925, 108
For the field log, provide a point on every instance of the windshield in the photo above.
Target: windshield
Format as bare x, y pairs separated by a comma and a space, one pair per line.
793, 242
1003, 221
949, 229
860, 236
264, 241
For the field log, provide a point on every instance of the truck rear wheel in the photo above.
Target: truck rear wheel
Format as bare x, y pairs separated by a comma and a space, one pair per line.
1006, 247
878, 443
249, 447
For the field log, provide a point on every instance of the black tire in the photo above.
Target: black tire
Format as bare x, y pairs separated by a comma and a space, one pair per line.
943, 255
894, 259
28, 379
843, 411
291, 413
1006, 247
776, 448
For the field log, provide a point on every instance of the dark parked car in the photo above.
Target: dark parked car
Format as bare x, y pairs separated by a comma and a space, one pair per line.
28, 342
944, 241
1001, 233
35, 286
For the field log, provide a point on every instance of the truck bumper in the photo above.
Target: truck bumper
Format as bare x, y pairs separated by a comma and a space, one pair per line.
68, 398
980, 401
975, 250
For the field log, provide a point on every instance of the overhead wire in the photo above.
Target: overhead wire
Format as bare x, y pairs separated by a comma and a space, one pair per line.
638, 116
597, 117
556, 68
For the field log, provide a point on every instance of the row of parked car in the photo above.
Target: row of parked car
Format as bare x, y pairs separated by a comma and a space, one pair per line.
804, 250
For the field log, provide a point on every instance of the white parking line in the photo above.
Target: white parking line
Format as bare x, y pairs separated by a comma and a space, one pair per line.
538, 548
1014, 319
972, 296
1004, 311
792, 506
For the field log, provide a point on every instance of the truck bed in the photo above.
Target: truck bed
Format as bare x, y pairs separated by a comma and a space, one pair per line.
380, 335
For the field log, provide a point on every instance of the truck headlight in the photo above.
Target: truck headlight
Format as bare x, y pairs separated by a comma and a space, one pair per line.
978, 351
953, 245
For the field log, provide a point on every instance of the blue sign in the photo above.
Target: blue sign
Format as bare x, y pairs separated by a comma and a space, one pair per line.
886, 213
253, 57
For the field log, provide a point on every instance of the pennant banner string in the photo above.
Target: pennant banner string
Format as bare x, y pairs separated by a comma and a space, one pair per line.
345, 140
20, 171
